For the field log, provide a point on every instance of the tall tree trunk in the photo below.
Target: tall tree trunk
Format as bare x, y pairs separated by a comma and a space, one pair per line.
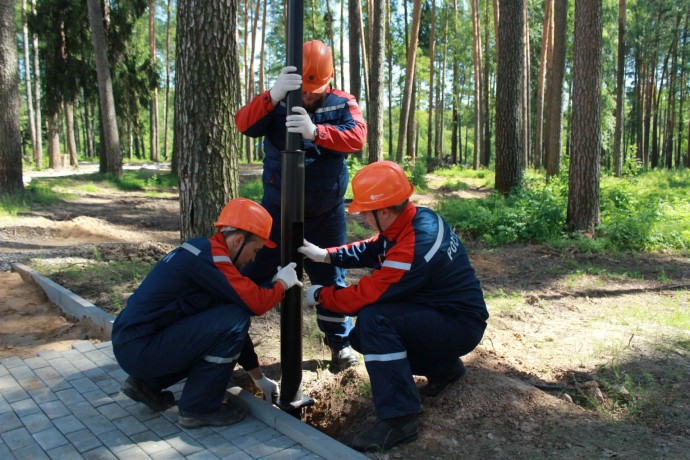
509, 87
682, 93
486, 96
11, 181
71, 141
524, 97
342, 44
670, 124
88, 130
478, 115
441, 93
546, 43
27, 81
111, 161
53, 124
554, 91
377, 25
365, 59
620, 93
153, 114
38, 153
432, 59
389, 47
353, 20
406, 102
207, 95
583, 190
167, 80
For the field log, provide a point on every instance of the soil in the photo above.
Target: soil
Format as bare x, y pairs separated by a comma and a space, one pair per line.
580, 358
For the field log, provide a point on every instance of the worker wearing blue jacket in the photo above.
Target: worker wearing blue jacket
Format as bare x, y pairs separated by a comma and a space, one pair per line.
332, 126
190, 316
420, 310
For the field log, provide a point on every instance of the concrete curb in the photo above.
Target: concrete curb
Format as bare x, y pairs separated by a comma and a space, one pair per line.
311, 438
70, 302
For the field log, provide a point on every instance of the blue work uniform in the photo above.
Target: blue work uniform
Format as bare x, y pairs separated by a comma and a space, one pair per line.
340, 129
420, 309
189, 319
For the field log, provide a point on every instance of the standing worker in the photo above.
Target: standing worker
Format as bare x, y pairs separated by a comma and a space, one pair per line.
331, 125
417, 313
190, 316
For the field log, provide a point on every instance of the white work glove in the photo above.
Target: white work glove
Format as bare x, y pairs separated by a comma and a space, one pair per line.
301, 124
268, 387
312, 251
288, 276
310, 297
287, 81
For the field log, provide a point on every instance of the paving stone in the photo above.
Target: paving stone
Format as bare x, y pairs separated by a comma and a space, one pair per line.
239, 455
270, 446
100, 453
42, 395
36, 422
25, 407
130, 425
168, 454
249, 425
83, 346
185, 444
12, 361
66, 452
17, 438
9, 421
32, 452
293, 452
70, 396
98, 425
84, 410
50, 439
36, 362
110, 386
68, 424
84, 385
113, 411
97, 397
49, 354
84, 440
96, 374
54, 409
4, 405
249, 440
4, 450
162, 427
150, 442
3, 370
218, 445
133, 453
116, 441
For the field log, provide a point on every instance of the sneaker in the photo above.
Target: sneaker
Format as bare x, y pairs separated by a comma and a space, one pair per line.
137, 390
386, 434
229, 413
435, 386
342, 359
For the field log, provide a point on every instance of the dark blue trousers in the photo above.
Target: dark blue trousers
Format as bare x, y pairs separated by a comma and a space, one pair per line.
203, 348
325, 230
401, 340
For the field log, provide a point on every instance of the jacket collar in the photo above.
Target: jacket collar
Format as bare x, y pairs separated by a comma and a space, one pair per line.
393, 232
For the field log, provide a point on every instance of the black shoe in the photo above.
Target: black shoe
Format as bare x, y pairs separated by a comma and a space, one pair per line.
435, 386
137, 390
386, 434
230, 412
342, 359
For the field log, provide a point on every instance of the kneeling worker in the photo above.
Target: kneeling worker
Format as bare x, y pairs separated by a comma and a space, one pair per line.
190, 316
417, 313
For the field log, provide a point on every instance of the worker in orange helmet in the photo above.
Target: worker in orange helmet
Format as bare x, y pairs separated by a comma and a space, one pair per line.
190, 316
331, 126
419, 311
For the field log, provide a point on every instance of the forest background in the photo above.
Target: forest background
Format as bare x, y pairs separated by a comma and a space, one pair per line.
554, 90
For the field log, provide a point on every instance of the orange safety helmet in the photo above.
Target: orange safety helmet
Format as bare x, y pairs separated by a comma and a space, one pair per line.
317, 68
248, 215
379, 185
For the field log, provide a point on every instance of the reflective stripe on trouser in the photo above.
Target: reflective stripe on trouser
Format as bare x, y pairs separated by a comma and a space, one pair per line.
432, 341
203, 347
326, 230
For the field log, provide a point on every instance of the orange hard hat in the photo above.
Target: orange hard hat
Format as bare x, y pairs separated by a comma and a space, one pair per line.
379, 185
245, 214
317, 67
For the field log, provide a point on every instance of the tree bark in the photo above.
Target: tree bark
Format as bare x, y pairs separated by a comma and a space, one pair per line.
207, 95
554, 91
377, 24
620, 93
432, 58
167, 81
406, 102
153, 115
38, 153
27, 80
583, 191
541, 83
478, 115
509, 87
354, 13
10, 136
71, 140
54, 160
111, 161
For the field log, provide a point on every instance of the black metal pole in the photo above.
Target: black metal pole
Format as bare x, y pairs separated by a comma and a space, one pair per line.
292, 230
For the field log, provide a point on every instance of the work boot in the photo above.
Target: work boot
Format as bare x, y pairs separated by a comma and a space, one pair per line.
435, 385
342, 359
137, 390
388, 433
230, 412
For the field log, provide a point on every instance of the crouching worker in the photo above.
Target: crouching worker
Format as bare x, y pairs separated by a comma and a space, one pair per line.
417, 313
190, 316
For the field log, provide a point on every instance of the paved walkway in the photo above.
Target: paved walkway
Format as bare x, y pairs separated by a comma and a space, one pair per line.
66, 405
